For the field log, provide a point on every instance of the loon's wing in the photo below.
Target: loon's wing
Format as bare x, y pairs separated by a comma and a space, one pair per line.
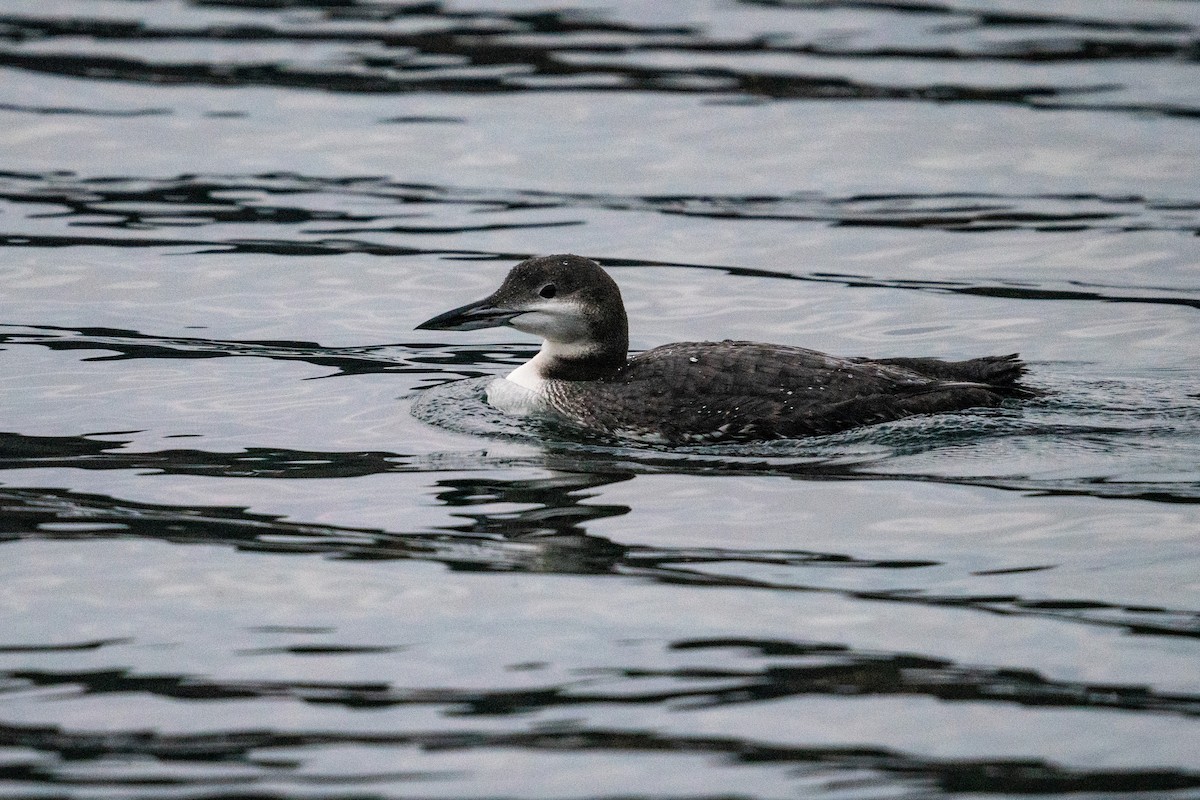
706, 391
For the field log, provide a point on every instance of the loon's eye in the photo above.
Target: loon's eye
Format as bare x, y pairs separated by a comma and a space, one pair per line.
548, 291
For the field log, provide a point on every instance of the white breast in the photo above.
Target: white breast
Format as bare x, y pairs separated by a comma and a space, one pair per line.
529, 374
512, 397
522, 390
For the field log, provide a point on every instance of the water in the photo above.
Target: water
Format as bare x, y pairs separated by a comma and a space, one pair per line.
264, 540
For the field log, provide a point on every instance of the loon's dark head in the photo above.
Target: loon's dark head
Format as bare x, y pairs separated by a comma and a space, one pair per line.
569, 301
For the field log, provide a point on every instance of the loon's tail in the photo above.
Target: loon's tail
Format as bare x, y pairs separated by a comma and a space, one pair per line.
998, 371
1002, 374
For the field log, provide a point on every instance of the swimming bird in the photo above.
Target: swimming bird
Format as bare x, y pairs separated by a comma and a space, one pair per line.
699, 392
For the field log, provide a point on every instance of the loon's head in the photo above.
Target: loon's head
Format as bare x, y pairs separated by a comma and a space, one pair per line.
569, 301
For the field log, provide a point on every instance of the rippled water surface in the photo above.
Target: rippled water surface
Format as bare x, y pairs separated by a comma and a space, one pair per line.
263, 540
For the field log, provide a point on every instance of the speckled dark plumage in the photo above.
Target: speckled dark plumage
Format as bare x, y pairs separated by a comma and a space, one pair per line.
715, 391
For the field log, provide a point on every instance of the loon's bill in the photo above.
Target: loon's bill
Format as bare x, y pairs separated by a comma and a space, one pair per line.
472, 316
694, 392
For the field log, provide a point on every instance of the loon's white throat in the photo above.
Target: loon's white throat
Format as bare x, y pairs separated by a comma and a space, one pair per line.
700, 391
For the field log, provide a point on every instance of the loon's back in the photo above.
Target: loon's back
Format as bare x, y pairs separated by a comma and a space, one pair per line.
715, 391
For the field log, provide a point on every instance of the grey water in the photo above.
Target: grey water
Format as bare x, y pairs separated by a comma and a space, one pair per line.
260, 539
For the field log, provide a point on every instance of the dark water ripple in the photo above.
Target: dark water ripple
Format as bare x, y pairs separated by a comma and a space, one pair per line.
793, 669
1051, 290
111, 338
706, 82
254, 216
445, 361
970, 17
84, 112
823, 462
835, 767
439, 49
195, 201
550, 537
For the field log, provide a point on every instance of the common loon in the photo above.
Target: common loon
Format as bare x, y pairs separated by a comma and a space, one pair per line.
695, 392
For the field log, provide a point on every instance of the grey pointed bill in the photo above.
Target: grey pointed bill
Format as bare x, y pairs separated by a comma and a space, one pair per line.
472, 316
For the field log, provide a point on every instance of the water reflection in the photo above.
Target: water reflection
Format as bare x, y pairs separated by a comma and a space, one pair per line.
548, 535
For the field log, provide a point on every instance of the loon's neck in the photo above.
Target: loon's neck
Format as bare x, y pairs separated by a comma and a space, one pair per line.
570, 362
